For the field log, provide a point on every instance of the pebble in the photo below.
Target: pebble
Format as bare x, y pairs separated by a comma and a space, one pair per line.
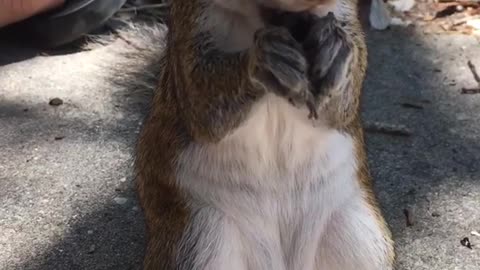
123, 179
91, 249
55, 102
90, 232
466, 243
120, 200
435, 214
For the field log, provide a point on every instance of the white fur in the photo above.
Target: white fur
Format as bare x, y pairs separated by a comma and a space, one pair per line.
353, 240
278, 182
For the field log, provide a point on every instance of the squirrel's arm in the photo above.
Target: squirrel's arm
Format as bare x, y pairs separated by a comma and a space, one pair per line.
344, 108
343, 105
213, 88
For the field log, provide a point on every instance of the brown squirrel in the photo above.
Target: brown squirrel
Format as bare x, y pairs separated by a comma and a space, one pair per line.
253, 156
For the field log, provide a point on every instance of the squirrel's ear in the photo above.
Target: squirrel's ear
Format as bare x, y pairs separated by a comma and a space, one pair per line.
379, 15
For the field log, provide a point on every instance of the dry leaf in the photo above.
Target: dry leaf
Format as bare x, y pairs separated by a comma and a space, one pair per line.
474, 23
402, 5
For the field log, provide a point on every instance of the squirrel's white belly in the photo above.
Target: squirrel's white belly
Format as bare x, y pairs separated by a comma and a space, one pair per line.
272, 185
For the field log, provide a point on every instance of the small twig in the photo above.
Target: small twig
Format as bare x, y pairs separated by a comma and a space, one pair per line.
470, 91
464, 20
408, 218
475, 233
455, 3
473, 69
388, 129
145, 7
411, 105
476, 77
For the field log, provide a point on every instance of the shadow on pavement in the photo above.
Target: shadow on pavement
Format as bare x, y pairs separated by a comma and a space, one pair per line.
432, 173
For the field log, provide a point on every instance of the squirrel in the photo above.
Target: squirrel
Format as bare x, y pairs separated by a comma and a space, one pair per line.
253, 155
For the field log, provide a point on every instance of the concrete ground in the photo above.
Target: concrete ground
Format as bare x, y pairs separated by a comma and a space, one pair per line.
66, 193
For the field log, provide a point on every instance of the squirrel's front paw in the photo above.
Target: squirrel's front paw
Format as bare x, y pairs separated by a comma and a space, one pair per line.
330, 53
278, 65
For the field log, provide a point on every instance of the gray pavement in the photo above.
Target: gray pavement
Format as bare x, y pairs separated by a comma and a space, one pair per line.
67, 199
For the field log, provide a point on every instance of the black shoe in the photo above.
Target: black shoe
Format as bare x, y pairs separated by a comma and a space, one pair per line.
67, 23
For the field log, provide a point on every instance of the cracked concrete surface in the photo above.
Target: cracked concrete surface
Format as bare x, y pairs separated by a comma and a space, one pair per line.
66, 192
